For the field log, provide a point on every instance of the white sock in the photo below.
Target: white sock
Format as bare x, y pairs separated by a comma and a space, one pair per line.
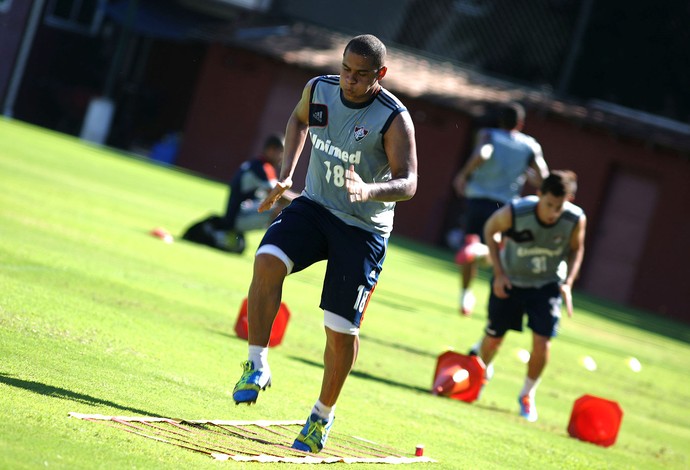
323, 411
259, 356
530, 387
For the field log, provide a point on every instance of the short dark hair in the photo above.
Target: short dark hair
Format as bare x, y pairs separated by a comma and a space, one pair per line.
560, 183
510, 114
274, 141
368, 45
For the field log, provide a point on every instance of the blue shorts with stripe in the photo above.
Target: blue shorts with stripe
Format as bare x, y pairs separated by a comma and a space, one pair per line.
307, 233
542, 306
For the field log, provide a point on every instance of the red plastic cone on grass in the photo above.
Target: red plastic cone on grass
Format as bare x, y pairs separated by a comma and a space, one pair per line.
595, 420
451, 380
458, 376
279, 325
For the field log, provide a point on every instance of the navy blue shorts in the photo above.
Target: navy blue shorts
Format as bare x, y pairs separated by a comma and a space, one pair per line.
307, 233
542, 306
478, 212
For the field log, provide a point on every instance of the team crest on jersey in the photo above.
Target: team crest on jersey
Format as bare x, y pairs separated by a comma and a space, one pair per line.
558, 239
360, 133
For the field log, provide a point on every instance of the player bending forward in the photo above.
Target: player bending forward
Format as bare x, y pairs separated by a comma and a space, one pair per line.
534, 269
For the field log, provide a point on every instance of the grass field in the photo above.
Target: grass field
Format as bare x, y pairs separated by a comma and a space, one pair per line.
97, 316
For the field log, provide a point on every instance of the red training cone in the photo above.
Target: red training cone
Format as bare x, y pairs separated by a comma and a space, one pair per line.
163, 234
451, 380
458, 376
595, 420
279, 325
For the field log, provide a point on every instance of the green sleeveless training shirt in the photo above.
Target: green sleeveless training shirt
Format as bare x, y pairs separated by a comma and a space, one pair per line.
535, 254
342, 134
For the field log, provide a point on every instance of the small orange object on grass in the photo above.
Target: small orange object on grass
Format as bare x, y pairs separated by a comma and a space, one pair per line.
163, 234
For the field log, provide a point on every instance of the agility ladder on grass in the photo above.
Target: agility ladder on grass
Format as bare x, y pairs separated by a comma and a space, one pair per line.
257, 441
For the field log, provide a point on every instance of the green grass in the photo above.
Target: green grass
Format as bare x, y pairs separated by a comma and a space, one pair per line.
97, 316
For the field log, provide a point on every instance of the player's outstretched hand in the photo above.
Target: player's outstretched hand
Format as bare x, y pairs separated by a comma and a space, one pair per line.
567, 294
275, 194
356, 187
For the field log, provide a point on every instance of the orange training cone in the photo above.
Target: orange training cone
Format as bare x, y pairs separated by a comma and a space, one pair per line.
163, 234
458, 376
595, 420
451, 380
279, 325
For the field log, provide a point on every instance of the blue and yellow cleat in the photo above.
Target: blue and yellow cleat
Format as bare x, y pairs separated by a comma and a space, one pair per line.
252, 381
313, 436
